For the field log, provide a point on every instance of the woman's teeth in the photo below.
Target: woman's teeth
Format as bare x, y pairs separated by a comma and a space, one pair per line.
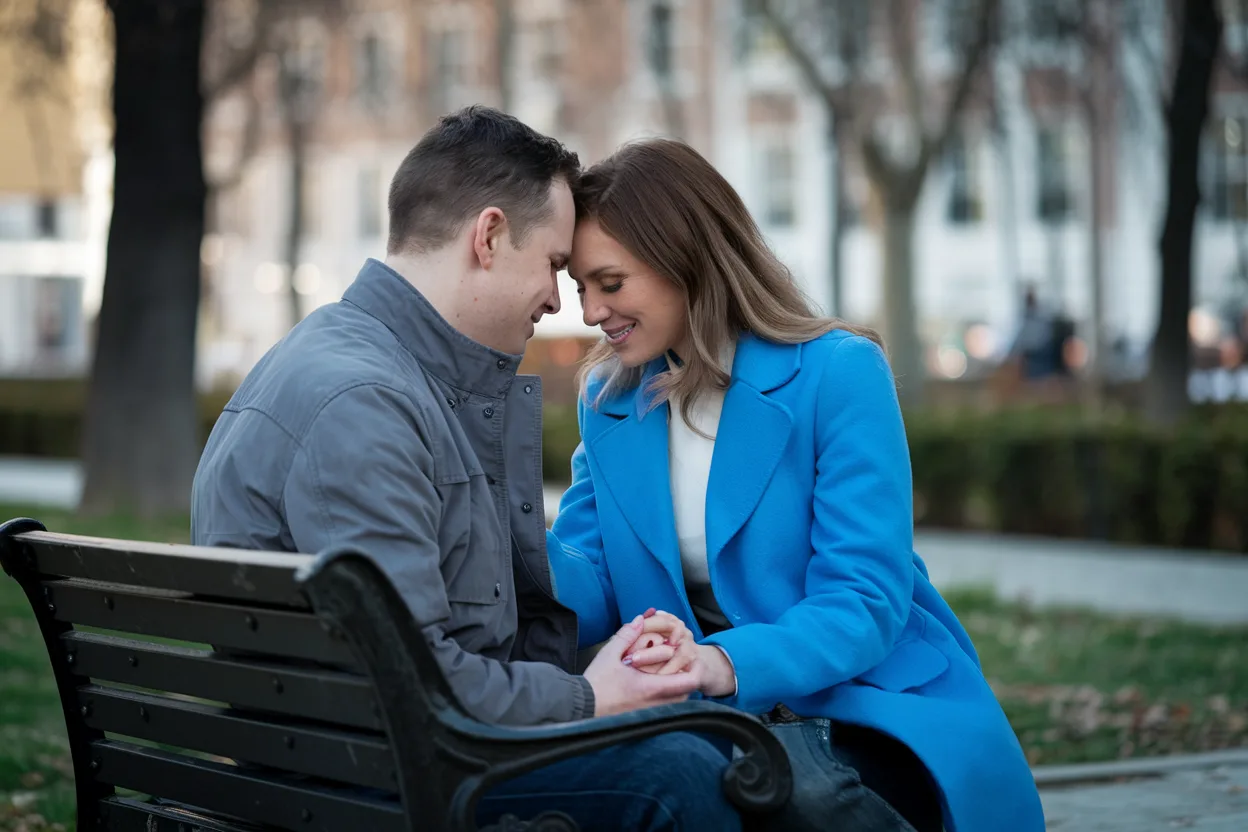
619, 336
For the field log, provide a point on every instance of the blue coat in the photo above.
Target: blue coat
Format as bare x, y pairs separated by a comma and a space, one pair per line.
809, 529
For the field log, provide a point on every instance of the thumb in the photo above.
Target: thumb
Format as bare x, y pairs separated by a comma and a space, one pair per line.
623, 639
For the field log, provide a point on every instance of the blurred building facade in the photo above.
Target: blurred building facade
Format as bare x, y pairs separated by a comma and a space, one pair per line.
54, 198
1006, 208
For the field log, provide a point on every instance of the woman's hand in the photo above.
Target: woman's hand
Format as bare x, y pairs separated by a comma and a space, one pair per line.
665, 646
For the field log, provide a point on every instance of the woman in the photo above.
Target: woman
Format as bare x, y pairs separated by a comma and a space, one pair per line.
744, 466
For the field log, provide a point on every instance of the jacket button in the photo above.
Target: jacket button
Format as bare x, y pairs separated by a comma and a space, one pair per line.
528, 388
488, 413
498, 590
526, 508
451, 402
502, 363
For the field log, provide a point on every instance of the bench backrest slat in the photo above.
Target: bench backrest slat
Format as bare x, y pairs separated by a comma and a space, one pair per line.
238, 792
132, 610
358, 759
261, 578
325, 695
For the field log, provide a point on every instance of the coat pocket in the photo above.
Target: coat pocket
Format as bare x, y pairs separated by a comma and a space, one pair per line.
912, 664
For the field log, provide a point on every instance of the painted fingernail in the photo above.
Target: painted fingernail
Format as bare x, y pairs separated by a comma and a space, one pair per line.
626, 660
650, 612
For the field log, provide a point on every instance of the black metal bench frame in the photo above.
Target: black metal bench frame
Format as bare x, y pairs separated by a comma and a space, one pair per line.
329, 679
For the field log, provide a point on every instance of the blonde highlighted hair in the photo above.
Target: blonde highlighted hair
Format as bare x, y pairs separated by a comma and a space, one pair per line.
670, 208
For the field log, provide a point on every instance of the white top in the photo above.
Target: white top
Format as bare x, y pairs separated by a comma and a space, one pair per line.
689, 459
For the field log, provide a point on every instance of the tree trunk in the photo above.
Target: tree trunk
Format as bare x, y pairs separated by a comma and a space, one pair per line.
504, 37
837, 198
298, 148
1166, 397
900, 324
1096, 252
141, 443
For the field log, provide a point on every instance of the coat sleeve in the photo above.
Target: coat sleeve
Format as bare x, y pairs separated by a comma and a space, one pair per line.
860, 580
576, 555
363, 478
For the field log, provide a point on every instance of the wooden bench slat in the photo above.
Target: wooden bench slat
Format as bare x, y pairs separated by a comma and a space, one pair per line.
259, 577
328, 696
241, 793
356, 759
257, 630
124, 814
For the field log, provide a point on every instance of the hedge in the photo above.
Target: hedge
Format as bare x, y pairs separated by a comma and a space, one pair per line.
1061, 474
1046, 472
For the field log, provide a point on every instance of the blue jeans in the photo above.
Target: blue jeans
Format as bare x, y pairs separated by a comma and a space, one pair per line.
669, 783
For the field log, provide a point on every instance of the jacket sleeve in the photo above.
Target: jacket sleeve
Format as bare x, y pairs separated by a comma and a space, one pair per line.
363, 477
861, 576
574, 545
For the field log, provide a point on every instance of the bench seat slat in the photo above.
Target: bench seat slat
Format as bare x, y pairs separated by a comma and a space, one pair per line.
124, 814
329, 696
258, 630
229, 790
356, 759
259, 577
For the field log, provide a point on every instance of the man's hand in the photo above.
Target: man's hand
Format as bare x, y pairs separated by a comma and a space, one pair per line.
619, 688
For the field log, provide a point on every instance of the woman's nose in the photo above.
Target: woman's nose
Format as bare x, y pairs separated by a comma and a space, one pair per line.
593, 312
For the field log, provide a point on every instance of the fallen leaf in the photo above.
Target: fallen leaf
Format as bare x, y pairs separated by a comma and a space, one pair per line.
32, 780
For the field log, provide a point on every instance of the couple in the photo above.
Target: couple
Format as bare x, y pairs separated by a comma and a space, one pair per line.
743, 468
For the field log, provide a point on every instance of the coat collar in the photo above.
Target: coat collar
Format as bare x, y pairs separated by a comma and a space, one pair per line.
762, 365
443, 350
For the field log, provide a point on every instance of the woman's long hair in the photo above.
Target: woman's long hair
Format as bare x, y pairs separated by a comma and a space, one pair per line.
671, 209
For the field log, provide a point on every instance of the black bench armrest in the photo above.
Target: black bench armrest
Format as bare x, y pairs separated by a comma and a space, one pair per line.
757, 781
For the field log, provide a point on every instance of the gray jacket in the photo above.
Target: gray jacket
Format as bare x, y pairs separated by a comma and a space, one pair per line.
376, 424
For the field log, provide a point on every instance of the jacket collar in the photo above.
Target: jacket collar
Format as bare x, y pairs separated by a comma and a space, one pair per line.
443, 350
762, 365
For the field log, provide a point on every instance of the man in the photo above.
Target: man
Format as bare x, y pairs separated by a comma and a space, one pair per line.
394, 422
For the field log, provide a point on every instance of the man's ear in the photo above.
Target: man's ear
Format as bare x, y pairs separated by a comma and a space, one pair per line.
488, 235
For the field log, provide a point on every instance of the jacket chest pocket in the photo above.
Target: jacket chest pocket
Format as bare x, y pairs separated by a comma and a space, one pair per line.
476, 550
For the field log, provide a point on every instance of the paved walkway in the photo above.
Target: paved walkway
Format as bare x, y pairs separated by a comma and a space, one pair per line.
1210, 797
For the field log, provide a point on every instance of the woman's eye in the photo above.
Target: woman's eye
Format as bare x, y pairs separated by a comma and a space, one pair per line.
613, 288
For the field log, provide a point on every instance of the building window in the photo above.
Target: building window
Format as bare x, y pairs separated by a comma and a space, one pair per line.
965, 194
369, 203
46, 219
547, 39
756, 38
310, 199
779, 184
1055, 202
1228, 192
660, 41
450, 68
373, 69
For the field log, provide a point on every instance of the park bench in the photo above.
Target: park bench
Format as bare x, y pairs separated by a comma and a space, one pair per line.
238, 691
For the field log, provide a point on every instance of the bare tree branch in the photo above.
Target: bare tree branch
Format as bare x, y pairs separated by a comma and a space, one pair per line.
801, 56
903, 42
976, 55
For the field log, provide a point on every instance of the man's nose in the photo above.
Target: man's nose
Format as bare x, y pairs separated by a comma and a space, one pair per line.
553, 304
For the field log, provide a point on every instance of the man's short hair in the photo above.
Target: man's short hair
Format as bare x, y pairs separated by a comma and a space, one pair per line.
473, 159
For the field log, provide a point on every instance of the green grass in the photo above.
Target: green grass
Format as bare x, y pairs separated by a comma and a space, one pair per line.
1077, 686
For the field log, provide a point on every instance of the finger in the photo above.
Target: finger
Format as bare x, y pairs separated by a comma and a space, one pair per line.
651, 655
648, 613
667, 687
662, 623
677, 664
623, 639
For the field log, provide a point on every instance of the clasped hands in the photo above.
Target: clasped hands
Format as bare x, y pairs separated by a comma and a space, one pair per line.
654, 660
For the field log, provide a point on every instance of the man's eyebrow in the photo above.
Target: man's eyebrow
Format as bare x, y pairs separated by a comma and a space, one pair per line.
561, 259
